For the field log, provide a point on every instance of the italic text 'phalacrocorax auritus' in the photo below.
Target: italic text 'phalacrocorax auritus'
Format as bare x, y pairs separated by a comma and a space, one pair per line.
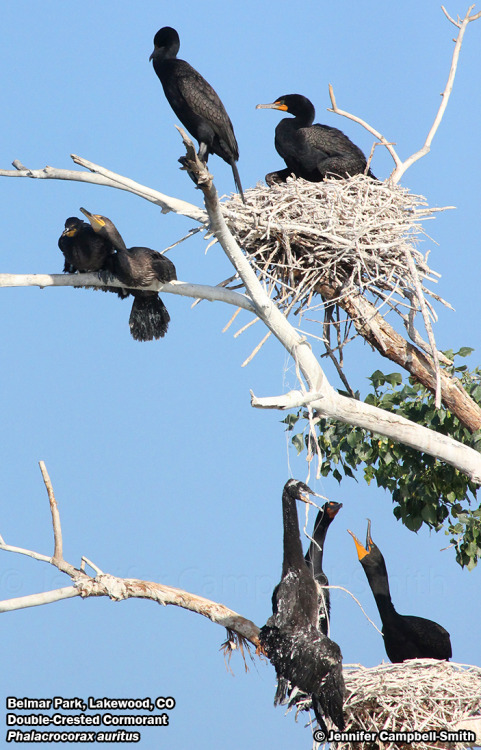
300, 653
195, 102
311, 151
405, 636
137, 266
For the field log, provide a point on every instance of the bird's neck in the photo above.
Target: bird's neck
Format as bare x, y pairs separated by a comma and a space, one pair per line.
379, 583
293, 557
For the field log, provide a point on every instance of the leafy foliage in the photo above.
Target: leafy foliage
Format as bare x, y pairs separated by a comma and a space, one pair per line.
424, 489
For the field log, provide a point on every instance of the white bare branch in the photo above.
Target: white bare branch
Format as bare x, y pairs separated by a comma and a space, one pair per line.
118, 589
181, 288
37, 600
101, 176
403, 166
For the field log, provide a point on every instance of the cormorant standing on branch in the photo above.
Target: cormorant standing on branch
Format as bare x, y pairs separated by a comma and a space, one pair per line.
311, 151
405, 636
313, 560
300, 653
137, 266
195, 102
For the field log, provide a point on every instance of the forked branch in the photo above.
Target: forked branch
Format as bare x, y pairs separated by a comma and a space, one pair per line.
402, 166
118, 589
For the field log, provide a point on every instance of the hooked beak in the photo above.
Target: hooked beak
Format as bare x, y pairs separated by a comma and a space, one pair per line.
362, 551
274, 105
95, 221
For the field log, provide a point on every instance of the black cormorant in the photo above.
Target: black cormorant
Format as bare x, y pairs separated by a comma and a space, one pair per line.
137, 266
405, 636
300, 653
314, 561
82, 248
311, 151
195, 102
85, 251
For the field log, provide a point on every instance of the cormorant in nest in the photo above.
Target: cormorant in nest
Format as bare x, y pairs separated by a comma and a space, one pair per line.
405, 636
137, 266
314, 561
300, 653
195, 102
311, 151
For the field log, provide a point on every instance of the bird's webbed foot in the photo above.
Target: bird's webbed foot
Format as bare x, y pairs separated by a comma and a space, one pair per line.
277, 178
185, 165
106, 276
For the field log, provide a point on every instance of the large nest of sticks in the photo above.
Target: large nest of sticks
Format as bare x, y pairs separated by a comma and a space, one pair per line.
335, 238
420, 694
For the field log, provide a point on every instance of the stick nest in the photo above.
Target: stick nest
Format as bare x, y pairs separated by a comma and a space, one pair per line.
348, 235
420, 694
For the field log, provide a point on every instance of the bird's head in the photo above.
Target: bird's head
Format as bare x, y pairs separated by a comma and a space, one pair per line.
72, 226
332, 509
294, 104
105, 228
369, 554
299, 491
166, 44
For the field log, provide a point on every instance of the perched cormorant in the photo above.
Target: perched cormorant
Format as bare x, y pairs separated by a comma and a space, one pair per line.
313, 560
137, 266
405, 636
311, 151
85, 251
195, 102
300, 653
82, 248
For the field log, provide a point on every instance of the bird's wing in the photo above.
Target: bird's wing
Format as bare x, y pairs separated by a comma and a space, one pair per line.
204, 101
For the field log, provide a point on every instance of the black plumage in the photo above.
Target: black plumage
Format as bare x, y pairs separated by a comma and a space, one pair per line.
311, 151
195, 102
405, 636
137, 266
83, 250
301, 654
314, 557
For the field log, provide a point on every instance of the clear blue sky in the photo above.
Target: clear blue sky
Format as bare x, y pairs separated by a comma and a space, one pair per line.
161, 469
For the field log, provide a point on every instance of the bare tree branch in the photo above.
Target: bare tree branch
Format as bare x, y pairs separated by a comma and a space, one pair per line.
403, 166
57, 529
118, 589
101, 176
181, 288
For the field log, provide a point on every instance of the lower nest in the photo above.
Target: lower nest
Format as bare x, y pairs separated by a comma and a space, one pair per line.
421, 694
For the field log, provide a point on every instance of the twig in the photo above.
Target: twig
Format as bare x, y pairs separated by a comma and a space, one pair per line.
57, 529
382, 140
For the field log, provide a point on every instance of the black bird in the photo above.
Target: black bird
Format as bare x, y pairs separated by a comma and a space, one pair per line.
85, 251
311, 151
313, 560
405, 636
137, 266
82, 248
300, 653
195, 102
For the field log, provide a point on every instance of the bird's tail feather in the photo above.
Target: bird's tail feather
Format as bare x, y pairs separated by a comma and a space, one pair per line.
237, 181
149, 318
